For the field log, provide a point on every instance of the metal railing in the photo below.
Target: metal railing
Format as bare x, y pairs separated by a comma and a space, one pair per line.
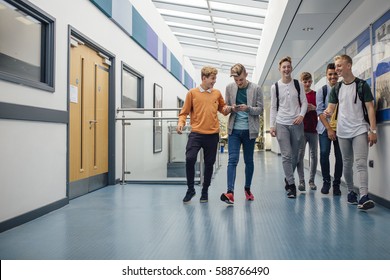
125, 120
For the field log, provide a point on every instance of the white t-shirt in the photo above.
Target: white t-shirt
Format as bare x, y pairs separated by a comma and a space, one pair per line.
350, 119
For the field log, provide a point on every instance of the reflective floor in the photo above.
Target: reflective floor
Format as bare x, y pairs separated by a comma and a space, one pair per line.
151, 222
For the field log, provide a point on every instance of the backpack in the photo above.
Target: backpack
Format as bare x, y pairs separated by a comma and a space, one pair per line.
297, 87
359, 92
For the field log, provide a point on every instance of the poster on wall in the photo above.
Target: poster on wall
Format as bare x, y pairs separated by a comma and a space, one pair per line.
319, 76
381, 66
360, 52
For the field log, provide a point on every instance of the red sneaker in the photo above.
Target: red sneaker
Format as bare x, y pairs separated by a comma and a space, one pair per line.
228, 198
249, 196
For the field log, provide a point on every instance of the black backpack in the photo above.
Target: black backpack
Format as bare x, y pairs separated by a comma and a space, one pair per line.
359, 92
298, 88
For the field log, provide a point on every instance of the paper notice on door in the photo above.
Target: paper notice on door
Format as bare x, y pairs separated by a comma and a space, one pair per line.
73, 94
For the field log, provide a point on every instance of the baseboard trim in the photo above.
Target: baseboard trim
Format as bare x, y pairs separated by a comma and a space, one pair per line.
29, 216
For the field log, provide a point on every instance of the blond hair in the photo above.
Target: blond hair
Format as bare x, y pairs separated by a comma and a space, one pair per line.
207, 71
345, 57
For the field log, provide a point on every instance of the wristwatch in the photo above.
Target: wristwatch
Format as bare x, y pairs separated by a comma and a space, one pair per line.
373, 131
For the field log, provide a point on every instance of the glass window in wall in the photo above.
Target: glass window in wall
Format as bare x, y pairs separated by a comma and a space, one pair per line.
26, 45
132, 88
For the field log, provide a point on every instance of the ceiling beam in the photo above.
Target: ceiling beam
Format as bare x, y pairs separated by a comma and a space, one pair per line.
204, 11
247, 3
229, 57
216, 26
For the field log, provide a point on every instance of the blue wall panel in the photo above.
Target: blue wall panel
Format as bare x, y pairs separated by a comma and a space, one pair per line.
122, 15
176, 68
139, 29
188, 82
104, 5
152, 43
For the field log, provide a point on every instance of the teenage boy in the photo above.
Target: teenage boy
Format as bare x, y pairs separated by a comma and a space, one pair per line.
202, 104
355, 134
311, 136
245, 104
288, 107
327, 136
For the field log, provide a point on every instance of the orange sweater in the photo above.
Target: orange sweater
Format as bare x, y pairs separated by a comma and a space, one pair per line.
202, 108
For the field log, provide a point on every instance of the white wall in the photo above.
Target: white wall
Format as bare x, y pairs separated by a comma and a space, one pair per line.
33, 167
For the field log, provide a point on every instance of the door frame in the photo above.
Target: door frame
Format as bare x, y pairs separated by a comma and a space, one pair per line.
73, 32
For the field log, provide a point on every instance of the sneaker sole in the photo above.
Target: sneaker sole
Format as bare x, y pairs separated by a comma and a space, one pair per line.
189, 200
204, 200
366, 205
352, 203
226, 200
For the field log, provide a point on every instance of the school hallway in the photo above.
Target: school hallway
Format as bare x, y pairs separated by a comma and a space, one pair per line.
150, 222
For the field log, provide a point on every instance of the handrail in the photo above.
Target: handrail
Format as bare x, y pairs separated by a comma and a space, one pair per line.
147, 118
124, 119
146, 109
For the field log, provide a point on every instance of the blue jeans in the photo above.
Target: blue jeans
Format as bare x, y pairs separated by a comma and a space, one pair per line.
235, 140
325, 145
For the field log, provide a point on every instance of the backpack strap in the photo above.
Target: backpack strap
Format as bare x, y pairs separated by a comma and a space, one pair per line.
324, 93
298, 88
337, 87
359, 92
277, 96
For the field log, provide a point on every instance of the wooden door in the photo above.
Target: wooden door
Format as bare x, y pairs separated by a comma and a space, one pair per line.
88, 116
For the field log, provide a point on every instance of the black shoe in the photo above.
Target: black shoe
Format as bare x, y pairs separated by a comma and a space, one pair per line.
336, 190
285, 184
325, 189
189, 195
352, 198
291, 191
204, 197
365, 203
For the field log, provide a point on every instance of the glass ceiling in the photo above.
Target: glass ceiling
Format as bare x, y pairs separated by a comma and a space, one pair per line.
216, 32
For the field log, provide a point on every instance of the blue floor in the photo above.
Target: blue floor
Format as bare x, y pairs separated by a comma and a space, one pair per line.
151, 222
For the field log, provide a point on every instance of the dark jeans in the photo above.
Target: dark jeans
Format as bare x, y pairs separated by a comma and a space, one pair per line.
325, 144
209, 143
237, 138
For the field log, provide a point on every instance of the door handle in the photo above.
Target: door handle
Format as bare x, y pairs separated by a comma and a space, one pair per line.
92, 122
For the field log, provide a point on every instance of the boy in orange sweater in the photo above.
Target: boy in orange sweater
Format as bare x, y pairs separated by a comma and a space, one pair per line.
202, 104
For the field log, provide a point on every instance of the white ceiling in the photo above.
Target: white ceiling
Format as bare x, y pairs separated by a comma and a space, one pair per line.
223, 32
216, 32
